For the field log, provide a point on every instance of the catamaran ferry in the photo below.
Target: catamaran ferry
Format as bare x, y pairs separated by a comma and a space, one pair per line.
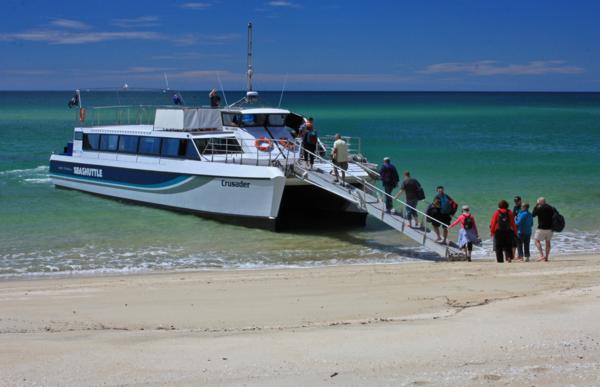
241, 162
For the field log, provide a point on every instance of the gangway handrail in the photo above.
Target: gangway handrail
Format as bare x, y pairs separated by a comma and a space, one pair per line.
380, 191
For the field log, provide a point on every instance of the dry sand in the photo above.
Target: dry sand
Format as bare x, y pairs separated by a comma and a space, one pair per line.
459, 323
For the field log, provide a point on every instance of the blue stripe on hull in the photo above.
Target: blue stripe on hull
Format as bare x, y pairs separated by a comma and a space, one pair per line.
135, 178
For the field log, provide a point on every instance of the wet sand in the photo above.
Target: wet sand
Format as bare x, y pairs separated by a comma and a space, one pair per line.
440, 323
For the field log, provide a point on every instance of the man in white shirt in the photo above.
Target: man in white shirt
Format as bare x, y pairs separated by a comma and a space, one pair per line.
340, 157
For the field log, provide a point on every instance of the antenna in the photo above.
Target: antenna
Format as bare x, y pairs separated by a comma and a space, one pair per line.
222, 90
251, 95
282, 89
250, 70
166, 81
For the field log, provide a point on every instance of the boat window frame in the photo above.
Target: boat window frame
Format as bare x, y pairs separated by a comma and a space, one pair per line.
106, 135
86, 146
78, 135
181, 147
137, 144
147, 153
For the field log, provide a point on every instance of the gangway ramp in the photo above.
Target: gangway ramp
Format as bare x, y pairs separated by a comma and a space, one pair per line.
372, 199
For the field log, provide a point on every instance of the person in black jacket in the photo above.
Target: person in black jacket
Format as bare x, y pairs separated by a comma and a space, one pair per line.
389, 179
544, 213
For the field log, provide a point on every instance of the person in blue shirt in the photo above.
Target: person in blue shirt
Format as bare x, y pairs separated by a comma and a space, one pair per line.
524, 223
390, 179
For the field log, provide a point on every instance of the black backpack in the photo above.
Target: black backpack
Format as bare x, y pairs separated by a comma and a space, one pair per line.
503, 221
468, 222
558, 221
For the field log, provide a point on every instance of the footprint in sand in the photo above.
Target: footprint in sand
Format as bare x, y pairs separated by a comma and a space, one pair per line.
492, 377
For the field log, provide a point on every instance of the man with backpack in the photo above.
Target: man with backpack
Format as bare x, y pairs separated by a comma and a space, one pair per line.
389, 179
309, 143
448, 208
544, 232
504, 231
414, 192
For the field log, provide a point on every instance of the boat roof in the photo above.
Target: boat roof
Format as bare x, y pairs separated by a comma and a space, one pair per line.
261, 110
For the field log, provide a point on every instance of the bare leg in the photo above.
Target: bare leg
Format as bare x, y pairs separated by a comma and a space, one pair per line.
445, 234
538, 245
437, 232
547, 250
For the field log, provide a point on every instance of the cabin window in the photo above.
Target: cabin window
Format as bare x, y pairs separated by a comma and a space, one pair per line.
173, 147
218, 146
277, 119
231, 119
190, 150
149, 145
91, 141
254, 119
128, 144
109, 142
78, 136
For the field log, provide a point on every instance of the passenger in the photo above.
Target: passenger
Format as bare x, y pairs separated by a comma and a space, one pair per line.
449, 207
309, 143
413, 190
389, 179
518, 205
468, 233
544, 213
524, 225
215, 100
340, 157
516, 210
504, 231
177, 99
434, 214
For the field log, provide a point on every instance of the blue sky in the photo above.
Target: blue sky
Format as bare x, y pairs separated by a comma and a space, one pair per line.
483, 45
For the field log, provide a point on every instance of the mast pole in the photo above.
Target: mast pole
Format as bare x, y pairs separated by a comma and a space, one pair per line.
250, 70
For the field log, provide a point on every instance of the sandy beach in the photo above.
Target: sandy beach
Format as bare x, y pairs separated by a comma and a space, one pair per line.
458, 323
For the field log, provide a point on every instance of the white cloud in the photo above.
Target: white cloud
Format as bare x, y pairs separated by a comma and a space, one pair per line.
195, 5
491, 67
283, 4
137, 22
335, 79
64, 37
69, 23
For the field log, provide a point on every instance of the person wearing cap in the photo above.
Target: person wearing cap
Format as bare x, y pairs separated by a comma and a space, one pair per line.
389, 178
468, 233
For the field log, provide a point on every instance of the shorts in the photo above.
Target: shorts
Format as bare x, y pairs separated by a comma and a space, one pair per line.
543, 235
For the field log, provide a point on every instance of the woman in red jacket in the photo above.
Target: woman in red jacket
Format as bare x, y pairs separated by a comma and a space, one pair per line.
504, 231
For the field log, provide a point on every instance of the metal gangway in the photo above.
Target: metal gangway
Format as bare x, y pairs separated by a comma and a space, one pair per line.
372, 199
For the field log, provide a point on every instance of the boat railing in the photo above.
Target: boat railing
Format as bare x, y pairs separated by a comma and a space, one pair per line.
120, 115
265, 152
354, 146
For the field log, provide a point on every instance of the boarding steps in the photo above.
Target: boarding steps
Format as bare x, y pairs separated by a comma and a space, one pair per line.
372, 200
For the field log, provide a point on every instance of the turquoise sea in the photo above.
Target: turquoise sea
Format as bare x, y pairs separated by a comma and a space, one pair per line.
482, 146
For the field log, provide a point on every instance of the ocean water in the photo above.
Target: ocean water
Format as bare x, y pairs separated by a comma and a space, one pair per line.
482, 147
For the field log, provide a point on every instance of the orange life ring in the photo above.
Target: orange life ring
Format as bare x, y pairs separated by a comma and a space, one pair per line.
263, 144
287, 144
81, 114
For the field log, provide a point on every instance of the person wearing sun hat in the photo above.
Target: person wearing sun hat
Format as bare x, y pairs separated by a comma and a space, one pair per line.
468, 233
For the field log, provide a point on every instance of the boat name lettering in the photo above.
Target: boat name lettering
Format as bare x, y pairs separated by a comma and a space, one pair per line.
93, 172
235, 184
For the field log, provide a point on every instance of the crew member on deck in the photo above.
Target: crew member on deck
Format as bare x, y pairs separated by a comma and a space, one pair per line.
215, 100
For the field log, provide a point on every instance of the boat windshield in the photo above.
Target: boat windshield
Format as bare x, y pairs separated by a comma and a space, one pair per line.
253, 120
